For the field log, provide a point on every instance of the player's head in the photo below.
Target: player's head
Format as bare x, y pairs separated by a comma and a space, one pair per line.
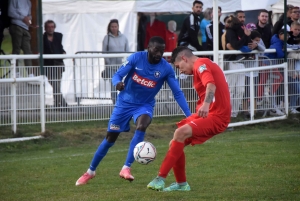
197, 7
156, 48
181, 58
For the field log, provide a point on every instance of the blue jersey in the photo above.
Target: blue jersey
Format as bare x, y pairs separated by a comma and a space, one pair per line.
144, 80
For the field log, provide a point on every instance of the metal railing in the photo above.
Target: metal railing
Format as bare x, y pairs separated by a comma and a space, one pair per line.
93, 101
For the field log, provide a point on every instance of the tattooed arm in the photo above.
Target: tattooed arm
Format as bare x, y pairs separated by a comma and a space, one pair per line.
209, 96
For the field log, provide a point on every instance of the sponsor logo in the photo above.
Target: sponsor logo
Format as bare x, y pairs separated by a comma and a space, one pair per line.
157, 74
202, 68
114, 127
143, 81
136, 68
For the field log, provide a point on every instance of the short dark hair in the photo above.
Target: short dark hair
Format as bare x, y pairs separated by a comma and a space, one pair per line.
237, 12
255, 34
49, 22
225, 18
281, 31
110, 22
157, 39
263, 11
197, 2
178, 50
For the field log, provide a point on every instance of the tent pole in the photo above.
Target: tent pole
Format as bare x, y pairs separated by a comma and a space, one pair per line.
216, 32
40, 33
285, 31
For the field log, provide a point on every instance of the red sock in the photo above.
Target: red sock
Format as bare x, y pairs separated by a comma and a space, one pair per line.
175, 151
179, 169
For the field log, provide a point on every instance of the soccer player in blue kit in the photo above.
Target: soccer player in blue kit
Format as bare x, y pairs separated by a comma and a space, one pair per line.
145, 74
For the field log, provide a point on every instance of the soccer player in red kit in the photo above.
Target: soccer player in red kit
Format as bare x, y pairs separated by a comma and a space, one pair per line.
211, 118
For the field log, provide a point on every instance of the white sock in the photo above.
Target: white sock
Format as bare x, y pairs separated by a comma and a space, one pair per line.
90, 172
125, 166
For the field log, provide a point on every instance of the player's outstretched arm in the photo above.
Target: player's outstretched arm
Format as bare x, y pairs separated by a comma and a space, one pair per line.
178, 94
209, 96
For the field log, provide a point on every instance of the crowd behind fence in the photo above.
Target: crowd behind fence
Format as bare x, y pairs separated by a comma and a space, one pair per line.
87, 92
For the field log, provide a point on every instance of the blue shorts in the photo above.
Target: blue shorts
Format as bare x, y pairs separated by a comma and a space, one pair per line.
122, 114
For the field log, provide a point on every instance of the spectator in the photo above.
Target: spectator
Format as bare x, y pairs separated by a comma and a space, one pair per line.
209, 31
4, 19
204, 22
142, 26
279, 24
236, 37
114, 41
264, 28
294, 69
241, 16
226, 25
20, 14
294, 16
256, 44
171, 36
52, 42
277, 43
188, 35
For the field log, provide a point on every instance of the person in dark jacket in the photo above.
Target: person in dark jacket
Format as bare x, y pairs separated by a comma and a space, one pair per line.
237, 36
54, 68
264, 28
279, 24
188, 35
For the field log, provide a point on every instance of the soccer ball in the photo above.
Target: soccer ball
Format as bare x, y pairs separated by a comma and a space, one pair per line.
144, 152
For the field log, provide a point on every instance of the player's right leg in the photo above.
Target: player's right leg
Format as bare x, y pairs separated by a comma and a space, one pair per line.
98, 156
142, 117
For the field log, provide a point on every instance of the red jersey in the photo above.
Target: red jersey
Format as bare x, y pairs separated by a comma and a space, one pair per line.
205, 71
158, 28
171, 41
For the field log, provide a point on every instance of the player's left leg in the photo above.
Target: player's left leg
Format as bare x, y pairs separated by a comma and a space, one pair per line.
179, 172
142, 123
172, 156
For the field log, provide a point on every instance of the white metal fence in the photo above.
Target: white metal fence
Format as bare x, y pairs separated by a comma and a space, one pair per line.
85, 94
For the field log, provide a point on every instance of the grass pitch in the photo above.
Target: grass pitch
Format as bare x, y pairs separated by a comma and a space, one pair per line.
258, 162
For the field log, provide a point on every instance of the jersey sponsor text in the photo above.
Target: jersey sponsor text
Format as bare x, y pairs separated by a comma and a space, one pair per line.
143, 81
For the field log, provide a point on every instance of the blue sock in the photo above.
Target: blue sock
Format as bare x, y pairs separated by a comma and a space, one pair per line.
100, 153
138, 137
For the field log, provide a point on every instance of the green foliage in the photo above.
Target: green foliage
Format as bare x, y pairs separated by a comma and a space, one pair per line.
257, 162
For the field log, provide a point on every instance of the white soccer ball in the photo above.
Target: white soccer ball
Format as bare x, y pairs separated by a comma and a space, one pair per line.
144, 152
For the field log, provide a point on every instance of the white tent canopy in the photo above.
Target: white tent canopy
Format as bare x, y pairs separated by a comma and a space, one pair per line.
84, 23
279, 6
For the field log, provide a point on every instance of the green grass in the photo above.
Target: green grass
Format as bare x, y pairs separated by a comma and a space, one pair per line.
257, 162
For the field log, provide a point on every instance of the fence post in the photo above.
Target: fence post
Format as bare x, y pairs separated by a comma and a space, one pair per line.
42, 102
14, 97
286, 89
251, 96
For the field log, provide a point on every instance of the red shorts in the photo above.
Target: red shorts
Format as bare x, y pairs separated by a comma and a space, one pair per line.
204, 128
